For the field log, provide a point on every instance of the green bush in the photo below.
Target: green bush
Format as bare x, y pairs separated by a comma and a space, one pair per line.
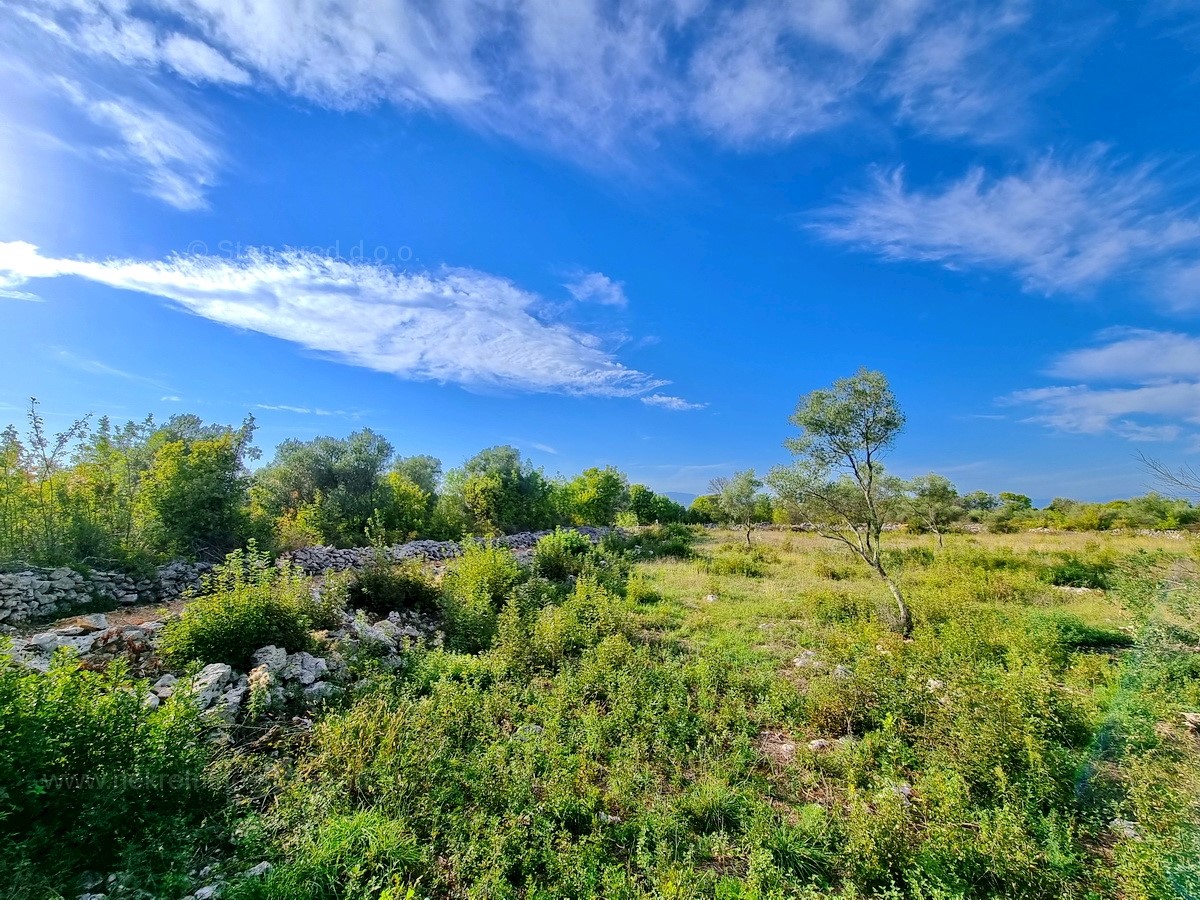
388, 586
738, 559
660, 541
91, 779
475, 590
360, 856
248, 604
1072, 570
560, 555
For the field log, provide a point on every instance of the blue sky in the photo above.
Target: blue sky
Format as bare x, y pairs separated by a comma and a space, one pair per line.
627, 233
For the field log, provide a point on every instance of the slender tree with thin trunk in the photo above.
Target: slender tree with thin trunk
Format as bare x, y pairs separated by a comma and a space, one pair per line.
837, 476
738, 499
935, 503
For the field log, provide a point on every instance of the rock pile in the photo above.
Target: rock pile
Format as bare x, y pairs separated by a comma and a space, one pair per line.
38, 593
315, 560
277, 680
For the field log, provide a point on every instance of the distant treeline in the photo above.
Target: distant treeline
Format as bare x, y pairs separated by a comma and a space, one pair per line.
143, 492
932, 504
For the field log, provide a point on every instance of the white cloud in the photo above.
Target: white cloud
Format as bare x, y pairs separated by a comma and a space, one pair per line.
582, 76
665, 401
596, 287
176, 164
1134, 355
453, 325
1156, 395
197, 61
1059, 226
304, 410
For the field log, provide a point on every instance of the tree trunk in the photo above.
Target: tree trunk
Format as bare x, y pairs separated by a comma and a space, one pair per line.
905, 625
941, 542
747, 526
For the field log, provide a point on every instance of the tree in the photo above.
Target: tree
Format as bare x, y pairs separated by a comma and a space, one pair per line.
595, 496
935, 503
1185, 478
651, 508
194, 495
738, 499
705, 509
844, 430
424, 471
980, 501
340, 480
496, 491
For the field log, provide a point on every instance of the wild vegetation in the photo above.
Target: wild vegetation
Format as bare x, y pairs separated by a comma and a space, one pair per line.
857, 709
641, 719
145, 493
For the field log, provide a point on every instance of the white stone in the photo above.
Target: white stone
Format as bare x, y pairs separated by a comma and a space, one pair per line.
94, 622
274, 658
303, 667
210, 682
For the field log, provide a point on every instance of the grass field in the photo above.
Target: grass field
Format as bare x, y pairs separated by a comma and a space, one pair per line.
656, 720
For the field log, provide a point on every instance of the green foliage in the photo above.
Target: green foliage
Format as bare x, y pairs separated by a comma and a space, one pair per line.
560, 555
595, 496
496, 492
1070, 570
391, 586
360, 856
649, 508
739, 501
339, 479
126, 496
90, 779
738, 559
193, 496
475, 589
661, 541
247, 604
705, 510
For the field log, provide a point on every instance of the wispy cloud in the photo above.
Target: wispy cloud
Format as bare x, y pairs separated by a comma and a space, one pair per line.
453, 325
1061, 225
665, 401
305, 410
96, 367
587, 76
1153, 390
176, 164
596, 287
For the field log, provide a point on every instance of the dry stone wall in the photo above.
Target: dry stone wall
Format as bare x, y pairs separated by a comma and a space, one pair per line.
36, 593
315, 560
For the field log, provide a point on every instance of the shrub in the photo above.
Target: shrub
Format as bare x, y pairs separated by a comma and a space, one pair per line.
475, 590
1070, 570
360, 856
387, 586
560, 555
92, 779
331, 599
638, 589
660, 541
249, 603
737, 559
